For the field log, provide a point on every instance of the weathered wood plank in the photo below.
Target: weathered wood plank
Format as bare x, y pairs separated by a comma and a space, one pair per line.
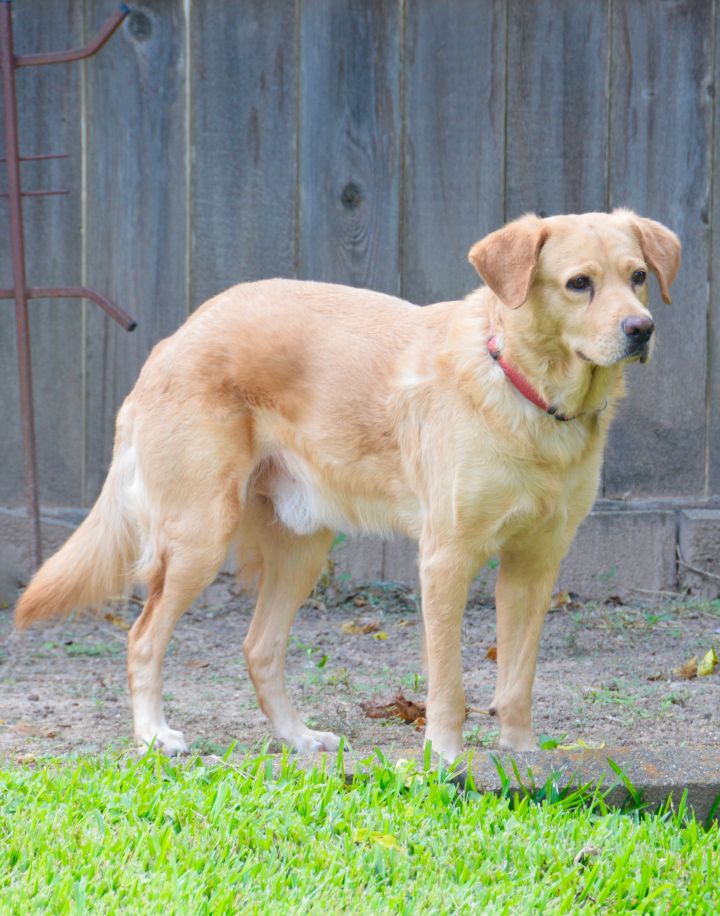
557, 106
350, 142
136, 205
49, 122
712, 482
454, 142
453, 161
660, 139
349, 220
244, 131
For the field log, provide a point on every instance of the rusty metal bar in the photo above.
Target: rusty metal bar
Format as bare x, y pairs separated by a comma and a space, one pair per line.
39, 193
20, 291
40, 158
77, 292
92, 47
17, 246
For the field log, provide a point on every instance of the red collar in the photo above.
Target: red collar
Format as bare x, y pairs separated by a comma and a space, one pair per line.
521, 383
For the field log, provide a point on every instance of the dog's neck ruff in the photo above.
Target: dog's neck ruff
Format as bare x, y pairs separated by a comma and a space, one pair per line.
518, 380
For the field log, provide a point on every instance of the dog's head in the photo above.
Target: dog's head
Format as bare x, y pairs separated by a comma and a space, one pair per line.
584, 277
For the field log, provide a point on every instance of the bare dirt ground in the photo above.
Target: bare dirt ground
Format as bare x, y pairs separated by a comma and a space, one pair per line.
605, 674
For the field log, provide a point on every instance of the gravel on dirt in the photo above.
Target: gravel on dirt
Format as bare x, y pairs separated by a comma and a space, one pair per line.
605, 674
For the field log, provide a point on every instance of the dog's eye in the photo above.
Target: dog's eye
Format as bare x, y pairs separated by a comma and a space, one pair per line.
579, 283
638, 278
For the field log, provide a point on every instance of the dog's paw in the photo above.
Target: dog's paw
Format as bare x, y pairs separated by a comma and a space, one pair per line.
448, 747
517, 739
311, 742
166, 740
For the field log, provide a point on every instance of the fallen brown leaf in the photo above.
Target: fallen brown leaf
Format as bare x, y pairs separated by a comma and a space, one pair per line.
358, 627
560, 600
117, 621
586, 855
198, 663
316, 604
398, 708
33, 731
492, 653
688, 670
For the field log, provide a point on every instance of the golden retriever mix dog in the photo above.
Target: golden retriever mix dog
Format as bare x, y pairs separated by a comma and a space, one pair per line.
282, 411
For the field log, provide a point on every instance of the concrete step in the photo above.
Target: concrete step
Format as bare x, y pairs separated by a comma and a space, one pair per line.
656, 774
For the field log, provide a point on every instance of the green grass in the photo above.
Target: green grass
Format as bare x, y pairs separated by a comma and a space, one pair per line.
108, 835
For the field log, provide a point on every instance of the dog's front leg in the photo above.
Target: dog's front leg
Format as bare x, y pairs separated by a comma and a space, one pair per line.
445, 576
523, 594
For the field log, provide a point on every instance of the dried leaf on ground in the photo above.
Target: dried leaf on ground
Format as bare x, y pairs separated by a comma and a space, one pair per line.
560, 600
581, 745
586, 855
358, 627
198, 663
687, 671
492, 653
398, 708
386, 840
34, 731
363, 835
707, 663
316, 603
117, 621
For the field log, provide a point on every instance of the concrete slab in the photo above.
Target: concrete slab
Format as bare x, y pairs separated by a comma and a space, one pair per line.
619, 552
624, 552
56, 526
660, 775
699, 551
358, 556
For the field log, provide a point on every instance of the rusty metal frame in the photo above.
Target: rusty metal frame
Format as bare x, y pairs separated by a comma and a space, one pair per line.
20, 292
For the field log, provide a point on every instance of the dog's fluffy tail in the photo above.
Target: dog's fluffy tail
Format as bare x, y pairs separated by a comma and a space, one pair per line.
94, 565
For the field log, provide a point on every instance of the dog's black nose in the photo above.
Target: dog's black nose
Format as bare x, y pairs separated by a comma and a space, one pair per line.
639, 329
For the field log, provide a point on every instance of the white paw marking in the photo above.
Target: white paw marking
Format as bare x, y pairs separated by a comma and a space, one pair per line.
518, 742
308, 741
448, 749
166, 740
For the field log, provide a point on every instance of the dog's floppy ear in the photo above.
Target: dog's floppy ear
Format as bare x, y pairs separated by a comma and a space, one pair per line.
507, 259
661, 249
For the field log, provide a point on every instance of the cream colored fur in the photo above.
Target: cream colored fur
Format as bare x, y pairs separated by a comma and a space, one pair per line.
283, 410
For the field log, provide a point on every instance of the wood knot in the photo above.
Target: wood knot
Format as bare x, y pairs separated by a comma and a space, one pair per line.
139, 25
351, 196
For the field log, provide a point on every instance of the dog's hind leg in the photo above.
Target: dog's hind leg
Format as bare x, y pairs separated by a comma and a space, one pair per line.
291, 564
184, 571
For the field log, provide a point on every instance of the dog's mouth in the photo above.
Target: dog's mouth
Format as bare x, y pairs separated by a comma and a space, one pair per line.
638, 354
633, 354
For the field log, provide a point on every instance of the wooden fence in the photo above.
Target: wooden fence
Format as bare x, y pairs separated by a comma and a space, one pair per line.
368, 142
